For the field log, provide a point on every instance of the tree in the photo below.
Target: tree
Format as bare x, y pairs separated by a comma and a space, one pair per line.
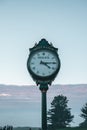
59, 116
84, 116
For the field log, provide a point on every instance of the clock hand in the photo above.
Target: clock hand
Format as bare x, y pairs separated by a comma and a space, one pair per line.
50, 62
44, 63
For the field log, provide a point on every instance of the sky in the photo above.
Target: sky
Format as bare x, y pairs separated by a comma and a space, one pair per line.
25, 22
61, 22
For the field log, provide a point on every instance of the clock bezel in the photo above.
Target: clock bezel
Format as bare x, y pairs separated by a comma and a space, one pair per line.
37, 77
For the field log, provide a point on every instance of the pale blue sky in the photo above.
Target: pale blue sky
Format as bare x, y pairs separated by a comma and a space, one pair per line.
24, 22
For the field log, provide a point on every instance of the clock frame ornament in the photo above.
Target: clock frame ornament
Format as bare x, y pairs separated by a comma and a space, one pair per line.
43, 62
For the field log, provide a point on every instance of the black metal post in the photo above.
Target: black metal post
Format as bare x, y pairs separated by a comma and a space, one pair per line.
44, 88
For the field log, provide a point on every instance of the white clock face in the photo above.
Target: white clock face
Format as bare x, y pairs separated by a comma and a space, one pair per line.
43, 63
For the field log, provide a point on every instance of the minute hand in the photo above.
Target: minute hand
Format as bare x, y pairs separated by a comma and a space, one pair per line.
50, 62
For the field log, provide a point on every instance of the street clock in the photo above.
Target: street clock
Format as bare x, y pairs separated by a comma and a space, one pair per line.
43, 62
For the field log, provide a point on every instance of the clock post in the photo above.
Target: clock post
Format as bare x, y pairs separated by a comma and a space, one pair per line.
44, 88
43, 65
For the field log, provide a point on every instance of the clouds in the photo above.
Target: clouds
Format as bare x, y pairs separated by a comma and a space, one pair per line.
4, 95
77, 92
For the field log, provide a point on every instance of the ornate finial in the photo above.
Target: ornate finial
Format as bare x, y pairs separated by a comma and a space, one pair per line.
43, 42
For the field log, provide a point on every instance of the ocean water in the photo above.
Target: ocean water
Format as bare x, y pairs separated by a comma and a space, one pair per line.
20, 113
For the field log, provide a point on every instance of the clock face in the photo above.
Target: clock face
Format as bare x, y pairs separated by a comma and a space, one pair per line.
43, 63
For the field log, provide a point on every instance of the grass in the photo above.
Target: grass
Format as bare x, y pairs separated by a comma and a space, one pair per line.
24, 128
74, 128
27, 128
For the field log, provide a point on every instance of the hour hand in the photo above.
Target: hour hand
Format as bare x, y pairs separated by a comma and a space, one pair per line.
44, 63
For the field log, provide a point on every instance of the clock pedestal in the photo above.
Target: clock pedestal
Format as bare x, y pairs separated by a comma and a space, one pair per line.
44, 88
